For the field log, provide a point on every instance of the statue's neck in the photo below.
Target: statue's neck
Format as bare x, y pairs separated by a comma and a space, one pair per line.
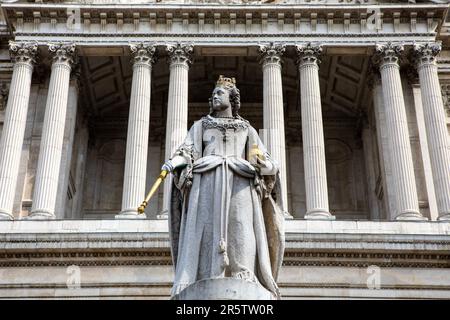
227, 113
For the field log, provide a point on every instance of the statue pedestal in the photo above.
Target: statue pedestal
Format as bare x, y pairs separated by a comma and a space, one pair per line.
224, 289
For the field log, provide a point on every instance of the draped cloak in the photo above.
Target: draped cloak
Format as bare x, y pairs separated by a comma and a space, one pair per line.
225, 217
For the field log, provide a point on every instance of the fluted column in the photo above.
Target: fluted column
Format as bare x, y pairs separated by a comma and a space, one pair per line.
177, 107
435, 124
387, 185
273, 112
312, 133
407, 204
23, 55
47, 173
138, 130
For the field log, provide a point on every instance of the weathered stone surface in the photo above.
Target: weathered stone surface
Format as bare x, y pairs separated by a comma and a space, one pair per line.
224, 289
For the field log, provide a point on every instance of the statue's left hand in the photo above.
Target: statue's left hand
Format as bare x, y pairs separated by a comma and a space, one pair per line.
263, 164
256, 155
260, 162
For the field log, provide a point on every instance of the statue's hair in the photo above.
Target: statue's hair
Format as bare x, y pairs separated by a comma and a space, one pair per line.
235, 99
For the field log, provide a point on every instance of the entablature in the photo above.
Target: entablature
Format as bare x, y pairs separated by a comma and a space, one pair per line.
216, 24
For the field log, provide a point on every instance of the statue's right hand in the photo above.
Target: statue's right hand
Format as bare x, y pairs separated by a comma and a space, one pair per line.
174, 163
167, 166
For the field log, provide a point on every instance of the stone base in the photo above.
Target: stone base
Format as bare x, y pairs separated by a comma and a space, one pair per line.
40, 215
6, 216
319, 215
410, 216
130, 214
224, 289
444, 217
164, 215
287, 215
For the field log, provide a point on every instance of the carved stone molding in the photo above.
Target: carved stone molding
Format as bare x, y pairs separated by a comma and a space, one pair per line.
308, 54
162, 257
23, 52
137, 249
93, 258
271, 53
426, 53
180, 53
363, 260
388, 54
143, 53
63, 53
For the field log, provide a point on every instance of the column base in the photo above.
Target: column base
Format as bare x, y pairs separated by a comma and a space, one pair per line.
4, 215
287, 215
319, 215
410, 216
130, 214
40, 215
445, 217
164, 215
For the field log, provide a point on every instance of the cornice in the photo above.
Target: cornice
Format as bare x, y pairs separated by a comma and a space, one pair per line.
227, 7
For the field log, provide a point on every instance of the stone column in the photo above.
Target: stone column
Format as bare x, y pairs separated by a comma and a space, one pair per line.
49, 161
435, 124
138, 130
273, 111
428, 173
387, 185
61, 210
177, 107
312, 133
23, 55
400, 156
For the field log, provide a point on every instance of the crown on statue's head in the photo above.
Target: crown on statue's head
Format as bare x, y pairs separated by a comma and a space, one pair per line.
226, 82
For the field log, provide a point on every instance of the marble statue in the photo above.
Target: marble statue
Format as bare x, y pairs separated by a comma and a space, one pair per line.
225, 217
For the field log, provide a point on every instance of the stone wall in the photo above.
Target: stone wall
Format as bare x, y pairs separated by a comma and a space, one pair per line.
131, 259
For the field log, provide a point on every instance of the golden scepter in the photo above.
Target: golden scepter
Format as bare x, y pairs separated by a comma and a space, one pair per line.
155, 186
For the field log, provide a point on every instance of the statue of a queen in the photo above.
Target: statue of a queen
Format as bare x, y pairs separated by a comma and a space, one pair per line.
225, 217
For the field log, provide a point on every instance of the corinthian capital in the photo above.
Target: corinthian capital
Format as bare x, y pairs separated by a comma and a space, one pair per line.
271, 53
388, 53
308, 54
23, 51
426, 53
63, 53
180, 53
143, 53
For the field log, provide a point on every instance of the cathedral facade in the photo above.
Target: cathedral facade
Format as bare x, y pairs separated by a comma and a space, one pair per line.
352, 98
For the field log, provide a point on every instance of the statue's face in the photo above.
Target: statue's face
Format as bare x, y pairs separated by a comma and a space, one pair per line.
220, 99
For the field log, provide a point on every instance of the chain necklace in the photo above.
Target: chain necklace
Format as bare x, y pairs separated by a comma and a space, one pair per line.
210, 122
